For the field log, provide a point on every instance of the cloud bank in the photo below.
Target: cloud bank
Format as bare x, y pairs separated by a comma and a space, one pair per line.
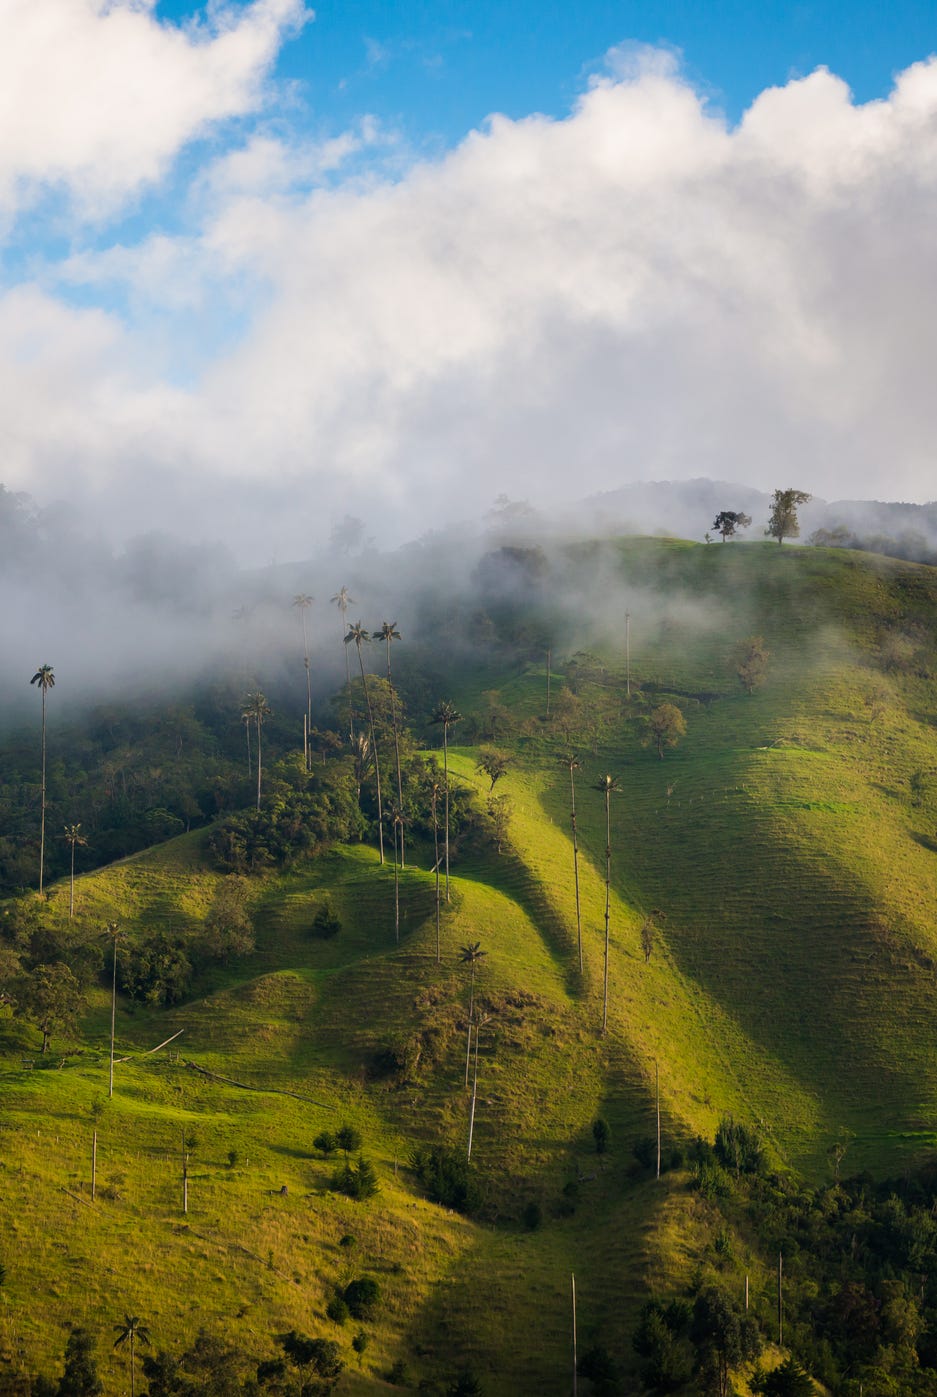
554, 308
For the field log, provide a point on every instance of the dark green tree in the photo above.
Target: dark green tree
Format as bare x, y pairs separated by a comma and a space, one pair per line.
728, 521
80, 1376
51, 997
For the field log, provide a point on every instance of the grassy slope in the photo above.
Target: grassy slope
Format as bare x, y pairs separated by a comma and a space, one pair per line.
790, 984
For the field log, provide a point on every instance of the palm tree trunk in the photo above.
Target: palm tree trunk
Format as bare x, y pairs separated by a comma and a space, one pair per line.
250, 763
474, 1099
396, 889
110, 1080
259, 763
308, 687
445, 760
132, 1367
393, 714
608, 878
71, 886
468, 1045
42, 809
351, 711
436, 850
572, 790
377, 763
549, 664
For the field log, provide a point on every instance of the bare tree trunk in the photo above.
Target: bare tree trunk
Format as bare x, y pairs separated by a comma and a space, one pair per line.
377, 763
445, 762
393, 714
436, 850
71, 886
94, 1164
468, 1046
608, 878
474, 1099
572, 792
110, 1083
259, 764
42, 811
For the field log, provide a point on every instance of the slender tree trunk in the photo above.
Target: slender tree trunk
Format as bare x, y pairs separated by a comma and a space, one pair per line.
549, 664
474, 1099
393, 714
436, 851
445, 762
657, 1094
608, 879
628, 654
71, 886
259, 761
575, 1361
94, 1164
132, 1367
42, 806
377, 763
468, 1045
396, 889
351, 711
572, 792
110, 1083
302, 613
250, 762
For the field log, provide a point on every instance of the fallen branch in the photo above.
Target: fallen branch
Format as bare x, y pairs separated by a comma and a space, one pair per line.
150, 1051
245, 1086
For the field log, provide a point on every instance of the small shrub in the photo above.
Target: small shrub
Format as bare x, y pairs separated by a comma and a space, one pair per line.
533, 1216
447, 1177
348, 1139
348, 1240
397, 1374
233, 1158
360, 1342
337, 1309
362, 1297
325, 1143
600, 1134
325, 924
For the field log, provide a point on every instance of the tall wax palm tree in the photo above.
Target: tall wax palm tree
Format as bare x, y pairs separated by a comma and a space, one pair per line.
46, 681
360, 636
434, 807
607, 786
246, 720
575, 765
343, 600
256, 711
471, 954
113, 929
388, 633
396, 820
447, 714
136, 1331
72, 836
304, 602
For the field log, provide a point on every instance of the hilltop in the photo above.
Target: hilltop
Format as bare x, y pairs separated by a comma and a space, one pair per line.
772, 950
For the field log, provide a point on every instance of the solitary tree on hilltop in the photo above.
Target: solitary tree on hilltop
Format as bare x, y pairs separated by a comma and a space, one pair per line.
46, 681
134, 1330
728, 521
360, 636
783, 522
447, 714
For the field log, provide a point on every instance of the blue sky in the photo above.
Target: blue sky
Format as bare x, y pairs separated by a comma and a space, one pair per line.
257, 269
438, 69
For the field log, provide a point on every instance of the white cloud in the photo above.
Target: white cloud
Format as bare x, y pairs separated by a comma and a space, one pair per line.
97, 96
555, 307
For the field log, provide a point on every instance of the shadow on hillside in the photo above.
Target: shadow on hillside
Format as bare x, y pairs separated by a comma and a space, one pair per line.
926, 841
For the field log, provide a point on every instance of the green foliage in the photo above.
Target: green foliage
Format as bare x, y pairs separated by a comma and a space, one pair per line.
601, 1134
294, 821
738, 1148
337, 1309
347, 1138
662, 1341
320, 1356
447, 1178
533, 1216
751, 663
600, 1368
788, 1380
358, 1180
325, 1143
363, 1297
158, 971
51, 997
229, 930
80, 1375
666, 725
326, 924
783, 522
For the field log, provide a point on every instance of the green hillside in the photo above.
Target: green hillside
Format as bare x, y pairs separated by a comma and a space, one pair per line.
786, 851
